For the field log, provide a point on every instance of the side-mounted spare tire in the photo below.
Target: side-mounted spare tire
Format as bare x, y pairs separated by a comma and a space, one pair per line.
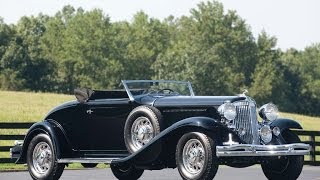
143, 124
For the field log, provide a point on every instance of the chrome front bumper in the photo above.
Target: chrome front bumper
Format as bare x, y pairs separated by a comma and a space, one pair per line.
263, 150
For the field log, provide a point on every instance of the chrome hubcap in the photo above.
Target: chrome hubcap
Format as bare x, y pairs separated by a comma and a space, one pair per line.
42, 158
141, 132
193, 156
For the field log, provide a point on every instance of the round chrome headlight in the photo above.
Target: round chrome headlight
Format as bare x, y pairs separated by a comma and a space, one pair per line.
269, 112
266, 134
228, 110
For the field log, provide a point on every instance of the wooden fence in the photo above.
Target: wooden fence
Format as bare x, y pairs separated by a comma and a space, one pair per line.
314, 143
311, 136
6, 137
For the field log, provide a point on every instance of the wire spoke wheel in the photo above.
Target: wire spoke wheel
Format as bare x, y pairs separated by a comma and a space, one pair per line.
193, 156
42, 157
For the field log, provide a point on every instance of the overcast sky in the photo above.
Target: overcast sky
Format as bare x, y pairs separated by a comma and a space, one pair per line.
294, 22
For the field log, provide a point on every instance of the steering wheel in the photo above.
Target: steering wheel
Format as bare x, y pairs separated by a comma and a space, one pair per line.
161, 91
149, 91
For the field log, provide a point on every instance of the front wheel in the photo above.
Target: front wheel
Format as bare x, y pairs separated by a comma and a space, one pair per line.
41, 159
126, 172
195, 157
284, 167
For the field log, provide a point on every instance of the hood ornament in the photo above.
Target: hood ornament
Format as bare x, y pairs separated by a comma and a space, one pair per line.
244, 92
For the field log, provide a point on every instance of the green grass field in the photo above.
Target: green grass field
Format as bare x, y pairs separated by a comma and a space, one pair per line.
28, 107
32, 107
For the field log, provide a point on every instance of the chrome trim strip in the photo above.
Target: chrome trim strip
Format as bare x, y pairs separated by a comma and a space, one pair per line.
190, 88
127, 90
87, 160
263, 150
184, 110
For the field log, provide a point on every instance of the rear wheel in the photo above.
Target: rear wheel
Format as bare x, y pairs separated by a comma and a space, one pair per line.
41, 159
126, 172
285, 167
195, 157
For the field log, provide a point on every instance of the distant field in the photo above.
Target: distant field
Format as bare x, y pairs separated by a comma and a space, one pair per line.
307, 122
28, 107
32, 107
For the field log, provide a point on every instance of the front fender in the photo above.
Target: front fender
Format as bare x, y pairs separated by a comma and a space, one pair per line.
284, 124
51, 128
167, 139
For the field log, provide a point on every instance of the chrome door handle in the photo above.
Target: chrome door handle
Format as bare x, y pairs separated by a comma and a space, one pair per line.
89, 111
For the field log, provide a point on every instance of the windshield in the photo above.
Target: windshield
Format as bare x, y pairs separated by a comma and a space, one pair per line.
157, 87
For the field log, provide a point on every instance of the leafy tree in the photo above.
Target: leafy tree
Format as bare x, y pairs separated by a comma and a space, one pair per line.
213, 49
301, 73
310, 71
292, 80
7, 34
267, 77
141, 42
24, 68
80, 44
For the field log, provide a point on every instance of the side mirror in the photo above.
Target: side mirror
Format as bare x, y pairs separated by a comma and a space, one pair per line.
83, 94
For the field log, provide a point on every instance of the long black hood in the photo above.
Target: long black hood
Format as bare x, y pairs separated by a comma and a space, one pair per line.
194, 101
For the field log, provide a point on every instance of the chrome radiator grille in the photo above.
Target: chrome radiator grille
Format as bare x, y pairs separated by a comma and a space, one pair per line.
247, 120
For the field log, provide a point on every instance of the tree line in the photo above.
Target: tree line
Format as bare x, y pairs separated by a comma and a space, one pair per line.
213, 48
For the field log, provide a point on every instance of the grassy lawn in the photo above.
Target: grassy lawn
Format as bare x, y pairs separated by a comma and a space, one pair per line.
28, 107
32, 107
307, 122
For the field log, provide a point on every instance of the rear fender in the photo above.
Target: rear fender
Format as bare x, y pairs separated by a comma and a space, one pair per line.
167, 139
56, 133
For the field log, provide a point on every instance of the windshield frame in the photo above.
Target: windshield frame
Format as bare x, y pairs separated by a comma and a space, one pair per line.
131, 97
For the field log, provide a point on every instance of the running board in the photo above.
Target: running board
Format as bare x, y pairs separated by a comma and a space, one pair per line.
87, 160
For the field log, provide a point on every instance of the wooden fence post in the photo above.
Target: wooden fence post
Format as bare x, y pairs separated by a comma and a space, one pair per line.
313, 148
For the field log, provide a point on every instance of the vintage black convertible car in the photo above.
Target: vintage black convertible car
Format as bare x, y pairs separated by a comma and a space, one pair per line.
153, 125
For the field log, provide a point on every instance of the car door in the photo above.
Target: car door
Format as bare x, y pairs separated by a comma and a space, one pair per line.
104, 124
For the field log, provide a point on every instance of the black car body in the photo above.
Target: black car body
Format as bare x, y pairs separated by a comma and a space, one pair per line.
162, 124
